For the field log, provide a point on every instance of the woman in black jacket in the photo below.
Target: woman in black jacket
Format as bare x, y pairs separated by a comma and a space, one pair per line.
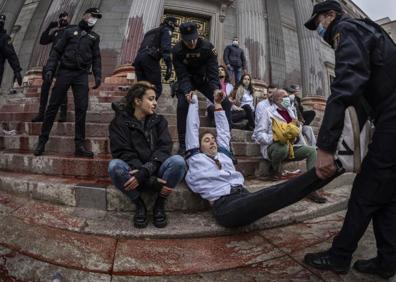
141, 148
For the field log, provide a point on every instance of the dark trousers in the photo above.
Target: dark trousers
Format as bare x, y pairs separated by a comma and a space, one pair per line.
373, 197
242, 207
147, 68
45, 88
182, 110
78, 80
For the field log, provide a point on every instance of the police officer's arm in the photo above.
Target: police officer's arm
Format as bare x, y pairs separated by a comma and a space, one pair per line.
120, 145
212, 70
97, 61
166, 47
182, 74
226, 53
352, 72
10, 54
57, 51
47, 37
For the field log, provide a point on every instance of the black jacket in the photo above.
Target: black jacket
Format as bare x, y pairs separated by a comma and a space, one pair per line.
157, 43
140, 147
365, 58
77, 49
7, 51
48, 37
198, 65
234, 56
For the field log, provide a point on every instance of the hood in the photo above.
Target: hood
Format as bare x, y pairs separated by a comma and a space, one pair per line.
120, 106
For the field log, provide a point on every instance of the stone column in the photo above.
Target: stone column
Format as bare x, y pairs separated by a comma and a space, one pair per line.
11, 9
312, 67
251, 25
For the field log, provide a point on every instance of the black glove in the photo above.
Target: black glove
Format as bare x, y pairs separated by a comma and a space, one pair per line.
48, 75
142, 176
52, 25
98, 81
18, 78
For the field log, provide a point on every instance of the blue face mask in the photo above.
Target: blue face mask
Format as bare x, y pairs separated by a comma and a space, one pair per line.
286, 102
321, 30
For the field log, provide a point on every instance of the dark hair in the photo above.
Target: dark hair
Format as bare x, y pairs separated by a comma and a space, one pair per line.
250, 87
203, 134
137, 91
63, 14
227, 75
272, 86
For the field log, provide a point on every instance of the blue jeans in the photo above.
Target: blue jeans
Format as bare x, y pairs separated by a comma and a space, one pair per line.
235, 72
172, 171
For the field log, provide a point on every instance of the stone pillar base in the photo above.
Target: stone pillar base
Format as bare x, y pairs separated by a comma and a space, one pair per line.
123, 75
260, 89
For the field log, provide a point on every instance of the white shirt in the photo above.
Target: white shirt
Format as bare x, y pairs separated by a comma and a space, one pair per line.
203, 175
247, 99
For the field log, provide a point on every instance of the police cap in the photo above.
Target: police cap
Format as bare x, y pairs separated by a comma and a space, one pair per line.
188, 31
94, 12
320, 8
2, 18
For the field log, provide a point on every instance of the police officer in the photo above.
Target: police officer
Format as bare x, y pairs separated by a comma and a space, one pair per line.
48, 37
7, 51
77, 51
156, 45
196, 66
365, 66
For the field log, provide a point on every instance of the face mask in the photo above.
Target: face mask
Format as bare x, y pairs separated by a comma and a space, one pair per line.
292, 97
92, 21
321, 30
235, 43
285, 102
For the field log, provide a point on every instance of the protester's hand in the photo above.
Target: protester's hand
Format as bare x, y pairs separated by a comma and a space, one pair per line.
48, 75
98, 82
52, 25
218, 96
189, 96
132, 182
325, 166
18, 78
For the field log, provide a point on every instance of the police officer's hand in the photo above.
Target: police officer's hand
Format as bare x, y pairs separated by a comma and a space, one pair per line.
218, 96
168, 73
18, 78
325, 166
98, 82
48, 75
52, 25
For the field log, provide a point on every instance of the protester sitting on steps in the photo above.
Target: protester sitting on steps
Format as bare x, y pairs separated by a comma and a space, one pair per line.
212, 174
141, 146
273, 147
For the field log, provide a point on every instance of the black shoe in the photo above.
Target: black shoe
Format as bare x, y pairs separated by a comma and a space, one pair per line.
159, 215
38, 118
371, 266
316, 198
140, 217
326, 261
81, 151
40, 148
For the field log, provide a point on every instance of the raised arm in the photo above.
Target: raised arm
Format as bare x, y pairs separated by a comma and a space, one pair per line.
193, 122
222, 126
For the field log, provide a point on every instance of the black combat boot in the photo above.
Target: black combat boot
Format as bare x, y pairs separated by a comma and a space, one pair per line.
40, 148
159, 215
140, 217
372, 266
81, 151
326, 261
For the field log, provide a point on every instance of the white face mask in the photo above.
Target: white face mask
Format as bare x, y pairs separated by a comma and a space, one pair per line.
92, 21
285, 102
235, 43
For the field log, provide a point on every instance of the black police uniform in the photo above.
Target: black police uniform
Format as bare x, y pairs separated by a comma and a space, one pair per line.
76, 51
46, 38
196, 69
156, 44
7, 51
365, 67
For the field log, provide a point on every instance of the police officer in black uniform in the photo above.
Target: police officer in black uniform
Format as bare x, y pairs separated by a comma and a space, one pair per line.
365, 75
48, 37
7, 51
156, 45
196, 66
77, 51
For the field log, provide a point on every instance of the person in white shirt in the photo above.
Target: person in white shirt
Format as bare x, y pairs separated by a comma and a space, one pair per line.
213, 176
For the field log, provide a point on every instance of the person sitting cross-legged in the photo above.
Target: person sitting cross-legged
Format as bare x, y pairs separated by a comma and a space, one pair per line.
278, 133
141, 147
213, 176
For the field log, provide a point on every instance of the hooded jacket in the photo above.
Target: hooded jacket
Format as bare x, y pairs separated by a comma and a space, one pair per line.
141, 147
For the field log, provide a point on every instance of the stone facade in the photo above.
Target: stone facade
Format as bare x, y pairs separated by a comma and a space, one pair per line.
269, 30
389, 26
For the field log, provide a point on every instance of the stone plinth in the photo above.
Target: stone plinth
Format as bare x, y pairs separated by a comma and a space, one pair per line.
124, 75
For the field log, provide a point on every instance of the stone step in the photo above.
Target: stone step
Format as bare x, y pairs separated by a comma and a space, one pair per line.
199, 224
98, 145
102, 130
69, 165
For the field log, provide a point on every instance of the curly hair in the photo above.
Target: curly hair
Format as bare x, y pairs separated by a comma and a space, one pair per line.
137, 91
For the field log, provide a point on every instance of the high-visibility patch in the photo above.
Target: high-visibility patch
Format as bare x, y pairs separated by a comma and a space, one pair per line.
75, 33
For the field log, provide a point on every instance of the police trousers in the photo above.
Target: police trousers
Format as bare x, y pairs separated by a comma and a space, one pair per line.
44, 93
373, 197
241, 207
78, 80
147, 68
